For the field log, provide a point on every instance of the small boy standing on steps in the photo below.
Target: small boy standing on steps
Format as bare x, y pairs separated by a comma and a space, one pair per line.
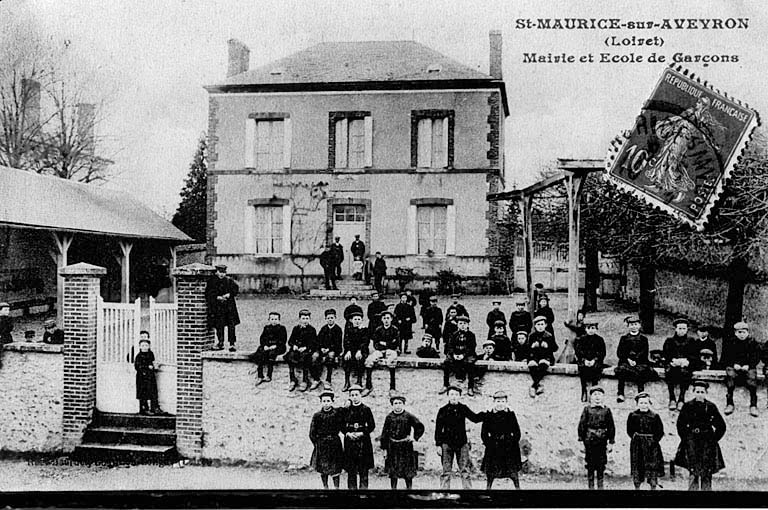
146, 384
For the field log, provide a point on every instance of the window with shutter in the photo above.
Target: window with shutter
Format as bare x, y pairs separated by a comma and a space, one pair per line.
352, 132
431, 229
268, 230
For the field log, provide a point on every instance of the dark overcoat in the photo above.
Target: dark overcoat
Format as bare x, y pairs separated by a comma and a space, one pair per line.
146, 384
501, 436
222, 313
358, 452
700, 427
401, 459
645, 430
327, 455
596, 430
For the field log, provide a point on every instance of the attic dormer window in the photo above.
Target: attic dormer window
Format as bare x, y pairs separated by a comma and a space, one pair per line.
434, 68
277, 71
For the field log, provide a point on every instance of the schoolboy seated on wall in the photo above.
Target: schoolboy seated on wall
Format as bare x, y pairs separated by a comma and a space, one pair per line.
460, 356
386, 342
541, 349
426, 350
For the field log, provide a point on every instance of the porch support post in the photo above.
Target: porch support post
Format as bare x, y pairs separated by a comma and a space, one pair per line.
62, 241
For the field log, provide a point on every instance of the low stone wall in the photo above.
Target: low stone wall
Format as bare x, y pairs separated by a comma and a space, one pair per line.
703, 298
267, 424
31, 385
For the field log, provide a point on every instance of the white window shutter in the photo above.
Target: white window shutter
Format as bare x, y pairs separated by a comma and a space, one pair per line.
249, 226
287, 229
450, 228
287, 143
342, 134
250, 142
444, 148
424, 143
411, 238
368, 141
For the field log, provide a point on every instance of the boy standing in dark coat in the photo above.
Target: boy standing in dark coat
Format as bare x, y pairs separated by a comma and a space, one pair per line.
355, 347
357, 426
501, 436
433, 320
400, 430
645, 430
494, 316
329, 340
741, 354
324, 430
405, 318
450, 326
633, 358
146, 384
272, 343
700, 427
375, 307
460, 309
520, 319
220, 294
541, 348
451, 438
303, 353
679, 356
590, 353
597, 433
460, 356
379, 272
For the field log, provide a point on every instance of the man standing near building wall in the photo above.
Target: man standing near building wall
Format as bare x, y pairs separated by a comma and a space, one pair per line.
358, 252
338, 256
220, 293
379, 272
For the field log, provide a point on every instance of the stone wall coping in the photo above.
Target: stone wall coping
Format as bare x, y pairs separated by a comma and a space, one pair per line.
34, 347
82, 269
196, 269
493, 366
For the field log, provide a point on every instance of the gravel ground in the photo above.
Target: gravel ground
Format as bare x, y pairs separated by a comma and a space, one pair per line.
58, 475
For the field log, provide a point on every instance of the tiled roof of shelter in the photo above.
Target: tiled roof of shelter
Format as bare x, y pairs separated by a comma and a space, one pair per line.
31, 200
344, 62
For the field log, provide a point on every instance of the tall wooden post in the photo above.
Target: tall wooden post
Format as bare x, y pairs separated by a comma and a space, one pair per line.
172, 264
125, 265
574, 187
527, 209
63, 241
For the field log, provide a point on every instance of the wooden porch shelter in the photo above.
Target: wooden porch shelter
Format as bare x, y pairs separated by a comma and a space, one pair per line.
68, 210
572, 172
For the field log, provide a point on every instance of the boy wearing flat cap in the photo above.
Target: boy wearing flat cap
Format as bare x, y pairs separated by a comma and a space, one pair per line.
405, 318
329, 339
700, 427
597, 433
632, 352
520, 347
426, 350
541, 348
501, 436
146, 384
450, 327
520, 319
386, 342
355, 349
272, 343
324, 431
460, 356
400, 430
433, 320
702, 342
679, 357
375, 307
357, 425
741, 354
645, 431
495, 316
52, 334
303, 353
545, 311
455, 305
589, 349
451, 438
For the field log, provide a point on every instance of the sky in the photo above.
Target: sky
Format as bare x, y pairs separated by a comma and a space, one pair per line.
154, 57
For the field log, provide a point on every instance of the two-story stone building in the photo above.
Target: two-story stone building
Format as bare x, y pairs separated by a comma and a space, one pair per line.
390, 140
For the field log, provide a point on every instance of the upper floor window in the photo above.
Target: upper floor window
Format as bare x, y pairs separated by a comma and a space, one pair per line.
350, 140
432, 138
268, 141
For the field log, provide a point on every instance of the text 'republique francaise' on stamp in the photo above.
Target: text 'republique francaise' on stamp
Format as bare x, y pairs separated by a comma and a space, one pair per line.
683, 146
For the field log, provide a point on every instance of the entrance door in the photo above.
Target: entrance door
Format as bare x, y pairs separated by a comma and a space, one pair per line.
348, 220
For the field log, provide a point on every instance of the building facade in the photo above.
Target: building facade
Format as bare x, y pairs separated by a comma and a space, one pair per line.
390, 141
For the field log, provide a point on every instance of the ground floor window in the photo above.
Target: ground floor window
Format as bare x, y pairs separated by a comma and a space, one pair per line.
431, 223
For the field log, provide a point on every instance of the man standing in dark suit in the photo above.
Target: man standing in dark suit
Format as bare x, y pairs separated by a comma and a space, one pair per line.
379, 272
338, 256
328, 263
220, 293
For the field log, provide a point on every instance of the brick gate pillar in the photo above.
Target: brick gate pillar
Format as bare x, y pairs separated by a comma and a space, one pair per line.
194, 336
81, 296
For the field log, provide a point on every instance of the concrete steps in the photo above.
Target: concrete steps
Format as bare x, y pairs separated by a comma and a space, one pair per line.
346, 289
129, 438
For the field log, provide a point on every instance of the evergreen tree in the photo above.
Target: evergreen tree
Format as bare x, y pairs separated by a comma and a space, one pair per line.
190, 217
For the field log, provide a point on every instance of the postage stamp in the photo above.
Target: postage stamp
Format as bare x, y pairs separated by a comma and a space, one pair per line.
683, 146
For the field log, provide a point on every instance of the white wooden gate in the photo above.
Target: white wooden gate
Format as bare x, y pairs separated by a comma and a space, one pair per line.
162, 331
117, 336
117, 343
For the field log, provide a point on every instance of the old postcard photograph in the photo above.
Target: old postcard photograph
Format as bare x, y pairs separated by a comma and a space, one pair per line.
383, 253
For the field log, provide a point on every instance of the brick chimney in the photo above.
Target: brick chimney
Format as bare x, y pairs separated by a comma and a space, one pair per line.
86, 118
30, 90
239, 57
495, 55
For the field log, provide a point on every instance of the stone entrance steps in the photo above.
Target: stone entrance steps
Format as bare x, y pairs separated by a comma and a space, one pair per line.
347, 288
129, 438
